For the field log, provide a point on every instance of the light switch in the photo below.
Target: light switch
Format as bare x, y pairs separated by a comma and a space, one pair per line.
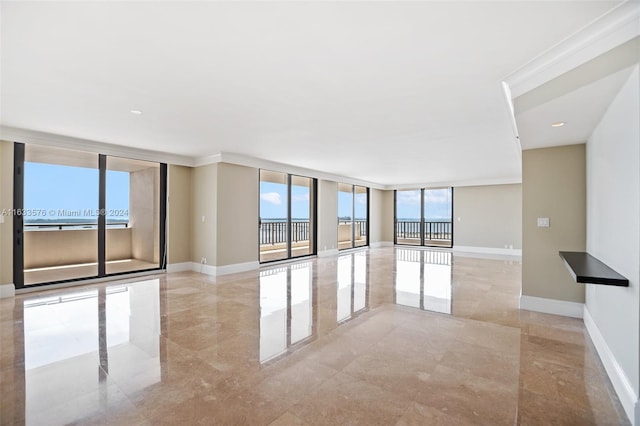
543, 222
203, 219
1, 218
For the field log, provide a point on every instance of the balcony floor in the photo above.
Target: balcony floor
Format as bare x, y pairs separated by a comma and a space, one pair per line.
70, 272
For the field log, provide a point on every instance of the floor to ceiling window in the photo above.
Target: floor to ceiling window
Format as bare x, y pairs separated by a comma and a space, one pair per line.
133, 216
287, 225
84, 215
424, 217
353, 216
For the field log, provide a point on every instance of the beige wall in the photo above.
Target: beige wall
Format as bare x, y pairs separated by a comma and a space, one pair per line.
6, 202
488, 216
553, 186
375, 215
237, 221
387, 216
179, 214
204, 200
327, 215
144, 216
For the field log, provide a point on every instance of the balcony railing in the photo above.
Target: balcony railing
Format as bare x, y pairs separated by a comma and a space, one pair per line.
275, 232
432, 230
61, 226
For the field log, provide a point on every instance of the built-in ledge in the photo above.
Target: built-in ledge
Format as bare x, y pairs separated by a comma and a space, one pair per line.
585, 268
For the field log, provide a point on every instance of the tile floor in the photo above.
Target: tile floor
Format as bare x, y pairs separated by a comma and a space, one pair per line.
389, 336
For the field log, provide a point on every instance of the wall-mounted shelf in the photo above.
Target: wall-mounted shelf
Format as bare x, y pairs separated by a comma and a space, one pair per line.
586, 269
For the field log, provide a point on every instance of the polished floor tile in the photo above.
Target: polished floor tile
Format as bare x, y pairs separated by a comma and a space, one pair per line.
389, 336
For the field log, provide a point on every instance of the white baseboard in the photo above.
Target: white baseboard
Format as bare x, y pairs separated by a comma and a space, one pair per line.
326, 253
621, 384
237, 267
379, 244
551, 306
7, 290
203, 269
180, 267
212, 270
487, 250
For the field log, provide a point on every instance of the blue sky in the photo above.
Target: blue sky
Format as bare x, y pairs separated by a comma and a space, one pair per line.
52, 188
437, 204
273, 201
345, 200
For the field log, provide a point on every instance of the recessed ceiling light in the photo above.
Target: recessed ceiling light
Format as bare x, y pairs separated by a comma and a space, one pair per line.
136, 112
558, 124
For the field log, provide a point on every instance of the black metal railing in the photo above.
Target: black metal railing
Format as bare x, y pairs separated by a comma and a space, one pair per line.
432, 230
60, 226
275, 232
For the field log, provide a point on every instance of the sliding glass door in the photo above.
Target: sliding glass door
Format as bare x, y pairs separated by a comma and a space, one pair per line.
438, 213
83, 215
132, 215
423, 217
287, 225
353, 216
60, 220
408, 217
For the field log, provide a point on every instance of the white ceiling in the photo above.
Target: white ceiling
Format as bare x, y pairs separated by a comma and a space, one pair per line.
388, 92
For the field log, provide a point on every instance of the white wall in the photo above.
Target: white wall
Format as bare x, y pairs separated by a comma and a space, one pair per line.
613, 236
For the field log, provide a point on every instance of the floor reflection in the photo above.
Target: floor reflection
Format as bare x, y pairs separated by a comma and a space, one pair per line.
319, 341
64, 336
353, 285
423, 279
286, 308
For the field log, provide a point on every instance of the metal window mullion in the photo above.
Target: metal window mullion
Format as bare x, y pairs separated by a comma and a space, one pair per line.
422, 230
288, 230
102, 217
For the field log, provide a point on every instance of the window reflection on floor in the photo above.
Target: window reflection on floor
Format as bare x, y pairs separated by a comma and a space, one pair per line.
352, 291
286, 308
423, 279
63, 358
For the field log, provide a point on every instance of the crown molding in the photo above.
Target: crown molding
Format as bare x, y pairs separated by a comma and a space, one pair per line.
470, 182
209, 159
245, 160
14, 134
612, 29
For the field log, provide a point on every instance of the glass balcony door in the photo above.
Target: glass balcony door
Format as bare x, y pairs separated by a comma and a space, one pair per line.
424, 217
75, 218
287, 225
60, 215
353, 216
132, 215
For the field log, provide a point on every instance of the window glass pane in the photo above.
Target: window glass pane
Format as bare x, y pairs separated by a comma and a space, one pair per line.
132, 215
361, 218
273, 215
408, 217
61, 214
437, 217
301, 220
345, 216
